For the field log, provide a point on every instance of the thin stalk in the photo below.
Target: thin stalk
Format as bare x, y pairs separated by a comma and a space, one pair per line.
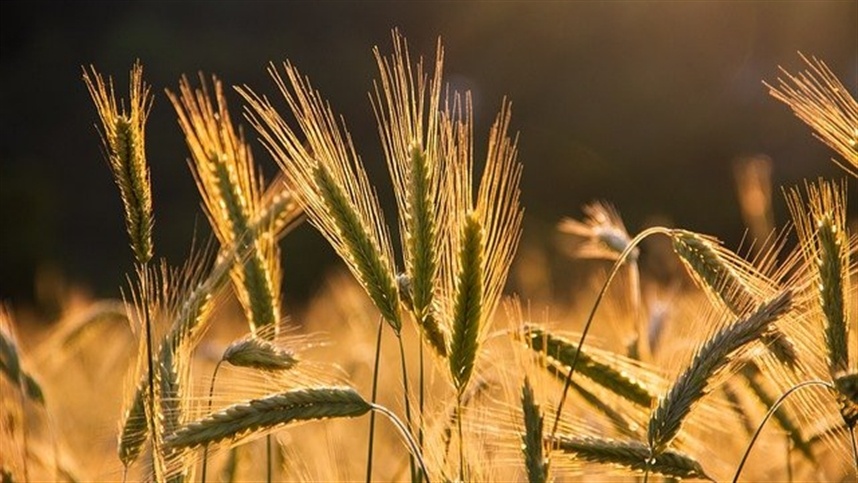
268, 456
769, 414
23, 399
620, 260
150, 361
412, 446
374, 395
421, 401
209, 409
461, 446
789, 458
407, 401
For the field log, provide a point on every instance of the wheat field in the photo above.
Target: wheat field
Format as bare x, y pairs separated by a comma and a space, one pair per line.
414, 362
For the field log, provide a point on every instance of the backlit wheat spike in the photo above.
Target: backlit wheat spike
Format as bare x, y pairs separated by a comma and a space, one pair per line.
821, 229
601, 371
712, 358
253, 418
226, 177
603, 230
259, 354
732, 281
467, 313
532, 441
330, 183
409, 128
123, 136
819, 99
497, 213
633, 455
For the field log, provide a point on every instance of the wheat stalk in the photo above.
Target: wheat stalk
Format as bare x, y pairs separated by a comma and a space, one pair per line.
709, 360
725, 275
469, 305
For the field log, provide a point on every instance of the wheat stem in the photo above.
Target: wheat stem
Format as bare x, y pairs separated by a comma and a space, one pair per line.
407, 398
769, 414
208, 409
373, 400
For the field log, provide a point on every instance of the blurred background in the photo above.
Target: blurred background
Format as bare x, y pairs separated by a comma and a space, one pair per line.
647, 105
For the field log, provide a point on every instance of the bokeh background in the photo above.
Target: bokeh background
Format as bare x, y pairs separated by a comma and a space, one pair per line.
644, 104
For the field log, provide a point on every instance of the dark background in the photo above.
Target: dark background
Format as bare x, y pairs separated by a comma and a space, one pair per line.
645, 104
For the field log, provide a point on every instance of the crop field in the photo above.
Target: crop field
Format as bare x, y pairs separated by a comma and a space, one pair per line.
415, 361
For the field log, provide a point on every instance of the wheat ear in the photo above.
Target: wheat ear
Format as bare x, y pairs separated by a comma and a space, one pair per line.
532, 440
599, 370
709, 360
409, 126
330, 184
819, 99
633, 455
259, 354
123, 134
824, 243
469, 304
229, 184
261, 415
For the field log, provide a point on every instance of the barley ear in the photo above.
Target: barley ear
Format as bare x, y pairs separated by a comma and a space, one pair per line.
532, 441
229, 184
371, 269
633, 455
561, 352
406, 105
723, 274
710, 359
819, 99
468, 303
123, 135
255, 417
824, 241
259, 354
